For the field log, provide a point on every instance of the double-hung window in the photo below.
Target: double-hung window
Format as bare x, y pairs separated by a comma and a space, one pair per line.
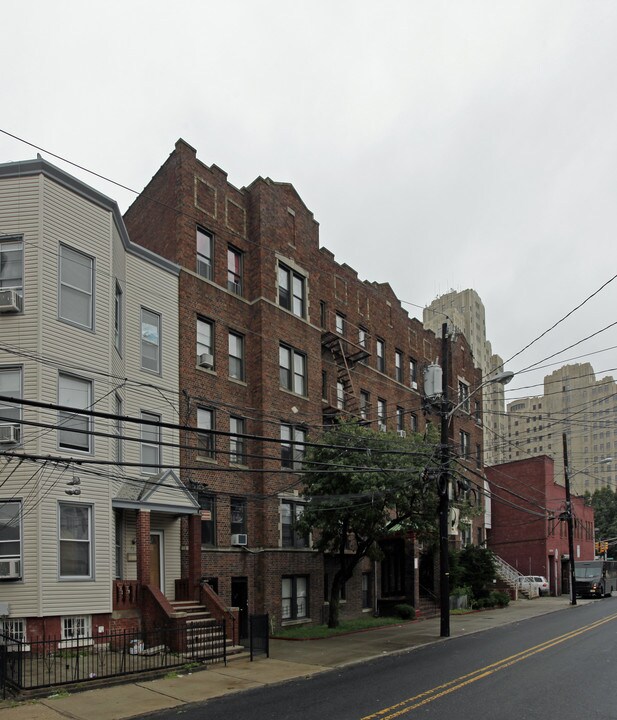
292, 370
205, 242
398, 366
205, 343
291, 512
12, 269
150, 341
365, 403
400, 418
10, 532
339, 323
76, 288
118, 312
340, 395
292, 446
150, 443
10, 413
413, 374
381, 414
463, 395
207, 503
292, 290
294, 597
205, 434
234, 270
237, 453
75, 524
465, 444
74, 429
236, 356
381, 355
238, 515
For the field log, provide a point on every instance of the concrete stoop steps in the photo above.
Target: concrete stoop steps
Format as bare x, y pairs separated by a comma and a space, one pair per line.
203, 631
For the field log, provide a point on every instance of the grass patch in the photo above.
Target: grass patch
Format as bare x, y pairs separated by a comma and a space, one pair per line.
308, 632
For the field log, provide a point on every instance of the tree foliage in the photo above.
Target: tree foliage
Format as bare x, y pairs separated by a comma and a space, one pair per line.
473, 567
361, 486
604, 503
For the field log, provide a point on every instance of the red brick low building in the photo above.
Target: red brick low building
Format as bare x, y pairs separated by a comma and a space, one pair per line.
528, 528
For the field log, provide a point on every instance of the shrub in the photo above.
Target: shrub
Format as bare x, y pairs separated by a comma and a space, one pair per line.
405, 612
499, 598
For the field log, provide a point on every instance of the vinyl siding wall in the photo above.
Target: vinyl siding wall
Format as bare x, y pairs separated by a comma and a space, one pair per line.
48, 214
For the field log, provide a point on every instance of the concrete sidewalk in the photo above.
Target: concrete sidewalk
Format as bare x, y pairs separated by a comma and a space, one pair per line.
288, 660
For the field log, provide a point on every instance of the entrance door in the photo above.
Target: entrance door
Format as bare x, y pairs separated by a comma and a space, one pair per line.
240, 599
156, 559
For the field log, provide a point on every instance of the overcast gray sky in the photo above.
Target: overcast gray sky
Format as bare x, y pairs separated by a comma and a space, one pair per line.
439, 144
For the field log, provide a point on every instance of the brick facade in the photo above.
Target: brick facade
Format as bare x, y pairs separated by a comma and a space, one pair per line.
527, 531
271, 229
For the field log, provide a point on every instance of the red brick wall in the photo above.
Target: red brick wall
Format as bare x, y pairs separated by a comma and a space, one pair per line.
268, 221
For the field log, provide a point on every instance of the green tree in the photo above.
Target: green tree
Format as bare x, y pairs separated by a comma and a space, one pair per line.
476, 569
362, 485
604, 503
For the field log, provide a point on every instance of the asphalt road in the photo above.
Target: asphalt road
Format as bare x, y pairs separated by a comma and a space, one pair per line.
562, 665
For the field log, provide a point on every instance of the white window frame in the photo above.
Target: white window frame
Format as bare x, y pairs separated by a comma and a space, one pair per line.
118, 317
12, 412
464, 395
7, 245
67, 286
398, 366
234, 279
74, 420
80, 634
237, 444
204, 334
204, 261
150, 440
297, 599
13, 518
291, 378
88, 541
235, 344
146, 342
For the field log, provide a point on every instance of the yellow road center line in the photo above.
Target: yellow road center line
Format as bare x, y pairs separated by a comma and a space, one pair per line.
428, 696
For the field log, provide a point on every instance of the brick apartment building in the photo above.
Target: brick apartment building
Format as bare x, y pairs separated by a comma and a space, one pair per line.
527, 530
276, 339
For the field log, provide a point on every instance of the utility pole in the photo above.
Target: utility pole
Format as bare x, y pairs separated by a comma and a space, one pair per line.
569, 520
444, 486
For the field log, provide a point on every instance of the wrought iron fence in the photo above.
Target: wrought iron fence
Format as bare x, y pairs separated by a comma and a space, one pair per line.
259, 634
60, 661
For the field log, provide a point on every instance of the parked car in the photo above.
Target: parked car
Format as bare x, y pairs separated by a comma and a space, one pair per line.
534, 581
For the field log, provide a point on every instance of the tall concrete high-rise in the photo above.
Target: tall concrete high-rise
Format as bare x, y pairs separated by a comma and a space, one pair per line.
576, 403
465, 311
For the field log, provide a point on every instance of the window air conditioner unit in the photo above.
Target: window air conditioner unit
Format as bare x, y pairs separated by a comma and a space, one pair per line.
414, 385
382, 427
10, 301
240, 539
9, 434
10, 569
206, 360
401, 433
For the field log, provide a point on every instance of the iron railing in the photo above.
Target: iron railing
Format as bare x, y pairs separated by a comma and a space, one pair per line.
259, 635
59, 661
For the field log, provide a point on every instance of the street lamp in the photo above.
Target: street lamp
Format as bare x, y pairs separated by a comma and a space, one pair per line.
446, 414
569, 515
